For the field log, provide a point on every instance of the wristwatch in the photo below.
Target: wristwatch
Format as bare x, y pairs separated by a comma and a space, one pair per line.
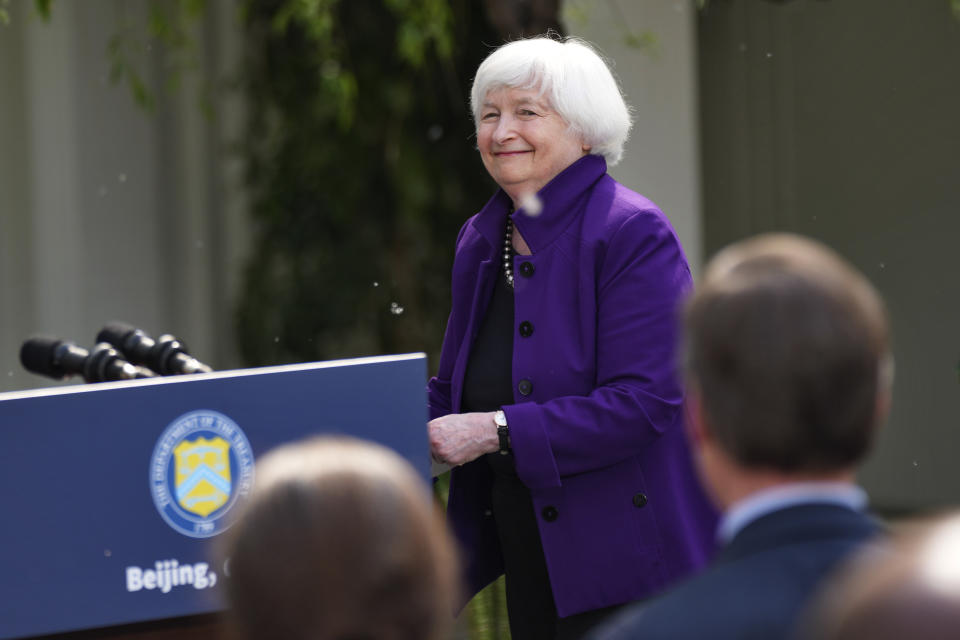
503, 432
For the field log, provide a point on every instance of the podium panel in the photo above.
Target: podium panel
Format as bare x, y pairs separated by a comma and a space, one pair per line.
112, 495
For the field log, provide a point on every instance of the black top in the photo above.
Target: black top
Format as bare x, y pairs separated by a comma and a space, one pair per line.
488, 380
487, 386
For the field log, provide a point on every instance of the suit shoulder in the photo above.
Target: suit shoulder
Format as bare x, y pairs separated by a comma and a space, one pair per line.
746, 598
618, 210
468, 234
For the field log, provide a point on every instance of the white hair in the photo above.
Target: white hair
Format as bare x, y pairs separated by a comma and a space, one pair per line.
574, 78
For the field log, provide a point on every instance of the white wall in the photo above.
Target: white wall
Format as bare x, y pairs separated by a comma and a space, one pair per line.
660, 81
839, 121
108, 212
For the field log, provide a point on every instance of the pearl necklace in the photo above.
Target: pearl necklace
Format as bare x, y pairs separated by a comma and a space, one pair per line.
508, 253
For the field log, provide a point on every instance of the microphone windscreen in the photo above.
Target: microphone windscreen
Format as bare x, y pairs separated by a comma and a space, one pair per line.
36, 355
115, 333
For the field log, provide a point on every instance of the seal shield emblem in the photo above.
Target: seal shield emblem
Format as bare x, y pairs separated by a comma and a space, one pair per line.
202, 471
202, 466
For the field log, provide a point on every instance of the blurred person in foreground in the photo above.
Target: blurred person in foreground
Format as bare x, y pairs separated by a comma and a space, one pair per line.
909, 589
341, 539
557, 398
788, 379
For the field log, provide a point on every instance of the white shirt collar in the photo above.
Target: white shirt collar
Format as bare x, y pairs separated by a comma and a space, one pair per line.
756, 505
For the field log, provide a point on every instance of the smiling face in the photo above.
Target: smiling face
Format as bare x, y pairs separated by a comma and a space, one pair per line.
523, 142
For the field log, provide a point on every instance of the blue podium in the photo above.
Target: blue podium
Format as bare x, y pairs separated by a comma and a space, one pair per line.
113, 494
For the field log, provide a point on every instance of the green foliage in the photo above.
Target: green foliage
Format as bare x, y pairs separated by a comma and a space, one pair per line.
643, 41
361, 167
42, 7
168, 28
580, 12
124, 69
487, 614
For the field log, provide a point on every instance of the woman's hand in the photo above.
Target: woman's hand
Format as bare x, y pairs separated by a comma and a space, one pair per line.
459, 438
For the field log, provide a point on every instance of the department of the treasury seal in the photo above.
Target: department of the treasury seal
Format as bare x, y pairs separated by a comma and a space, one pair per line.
202, 466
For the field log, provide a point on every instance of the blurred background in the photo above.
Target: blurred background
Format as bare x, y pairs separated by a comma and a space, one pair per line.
279, 181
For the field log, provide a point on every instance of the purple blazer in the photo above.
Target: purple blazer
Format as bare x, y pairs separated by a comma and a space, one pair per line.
596, 425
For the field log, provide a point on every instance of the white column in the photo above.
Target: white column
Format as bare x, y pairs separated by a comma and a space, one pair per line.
662, 158
16, 300
58, 254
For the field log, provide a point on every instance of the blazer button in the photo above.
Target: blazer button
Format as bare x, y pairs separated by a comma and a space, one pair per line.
526, 269
526, 329
525, 387
639, 500
550, 513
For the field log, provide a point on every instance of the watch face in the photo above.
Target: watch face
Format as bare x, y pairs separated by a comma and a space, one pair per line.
500, 418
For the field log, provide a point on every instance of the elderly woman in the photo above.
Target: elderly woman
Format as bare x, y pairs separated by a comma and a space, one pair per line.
557, 398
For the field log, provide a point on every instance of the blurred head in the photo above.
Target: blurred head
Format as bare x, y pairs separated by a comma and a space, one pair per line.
788, 357
546, 103
340, 540
909, 590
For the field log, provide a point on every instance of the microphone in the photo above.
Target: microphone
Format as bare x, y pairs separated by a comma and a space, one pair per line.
60, 359
166, 355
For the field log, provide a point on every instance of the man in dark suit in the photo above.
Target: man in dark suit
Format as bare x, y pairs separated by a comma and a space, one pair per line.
909, 588
789, 375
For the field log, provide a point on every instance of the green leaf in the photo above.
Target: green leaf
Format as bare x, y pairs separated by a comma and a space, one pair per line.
577, 15
43, 8
193, 8
643, 41
348, 97
141, 94
410, 44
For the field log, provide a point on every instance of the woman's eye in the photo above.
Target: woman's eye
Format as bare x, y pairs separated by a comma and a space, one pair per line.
489, 116
527, 112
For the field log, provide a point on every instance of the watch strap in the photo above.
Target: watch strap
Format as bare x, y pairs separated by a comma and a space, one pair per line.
503, 432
